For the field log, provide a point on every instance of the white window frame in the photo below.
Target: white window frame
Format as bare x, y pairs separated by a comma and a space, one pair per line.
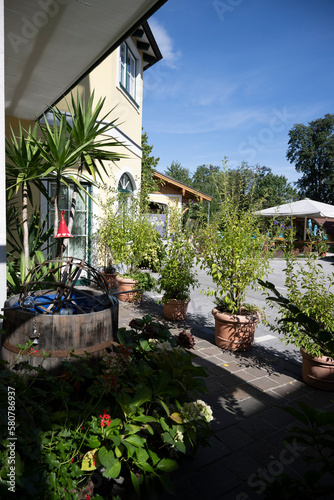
129, 82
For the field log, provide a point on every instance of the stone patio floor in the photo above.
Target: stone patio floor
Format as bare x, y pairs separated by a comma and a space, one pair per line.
245, 392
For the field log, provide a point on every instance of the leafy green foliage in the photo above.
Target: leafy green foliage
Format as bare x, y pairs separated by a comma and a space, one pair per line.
121, 416
179, 173
177, 276
38, 236
273, 189
311, 149
314, 434
305, 316
235, 251
148, 165
126, 232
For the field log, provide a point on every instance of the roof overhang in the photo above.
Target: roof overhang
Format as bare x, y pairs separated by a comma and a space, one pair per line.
186, 191
51, 45
146, 42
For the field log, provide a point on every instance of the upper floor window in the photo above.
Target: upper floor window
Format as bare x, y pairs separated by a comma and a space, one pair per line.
129, 71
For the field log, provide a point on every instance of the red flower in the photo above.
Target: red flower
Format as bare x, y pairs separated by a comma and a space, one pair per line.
105, 419
111, 379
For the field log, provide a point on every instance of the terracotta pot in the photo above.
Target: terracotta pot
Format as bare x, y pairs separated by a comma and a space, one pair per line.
176, 310
235, 332
125, 285
318, 372
112, 279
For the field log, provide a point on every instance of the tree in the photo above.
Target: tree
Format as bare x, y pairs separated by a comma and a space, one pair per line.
148, 165
24, 169
272, 189
202, 180
311, 148
179, 173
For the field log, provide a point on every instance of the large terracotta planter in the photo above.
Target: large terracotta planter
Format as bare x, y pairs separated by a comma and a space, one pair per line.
318, 372
126, 285
235, 332
176, 310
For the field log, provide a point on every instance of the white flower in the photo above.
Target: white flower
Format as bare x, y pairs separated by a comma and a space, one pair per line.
197, 410
178, 436
164, 346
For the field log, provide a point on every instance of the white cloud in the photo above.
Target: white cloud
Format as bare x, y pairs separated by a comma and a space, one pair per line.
165, 44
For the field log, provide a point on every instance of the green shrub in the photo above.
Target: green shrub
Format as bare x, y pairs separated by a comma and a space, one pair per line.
132, 414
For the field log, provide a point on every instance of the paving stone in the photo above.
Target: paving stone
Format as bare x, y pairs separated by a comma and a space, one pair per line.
257, 372
242, 464
231, 381
277, 417
245, 375
264, 383
256, 426
218, 370
223, 419
234, 438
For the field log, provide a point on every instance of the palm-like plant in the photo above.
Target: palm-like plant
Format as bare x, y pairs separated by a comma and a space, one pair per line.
24, 169
68, 151
85, 128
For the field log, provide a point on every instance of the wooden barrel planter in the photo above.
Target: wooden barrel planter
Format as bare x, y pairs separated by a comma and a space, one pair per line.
58, 335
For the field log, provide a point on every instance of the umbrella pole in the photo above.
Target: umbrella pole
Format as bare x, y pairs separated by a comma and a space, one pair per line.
305, 228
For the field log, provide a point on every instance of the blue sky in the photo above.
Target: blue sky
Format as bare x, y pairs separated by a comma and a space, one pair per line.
236, 76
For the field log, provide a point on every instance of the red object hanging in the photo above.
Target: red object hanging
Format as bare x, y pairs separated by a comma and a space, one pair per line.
63, 231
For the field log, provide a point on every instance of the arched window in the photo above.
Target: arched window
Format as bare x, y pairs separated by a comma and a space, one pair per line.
125, 184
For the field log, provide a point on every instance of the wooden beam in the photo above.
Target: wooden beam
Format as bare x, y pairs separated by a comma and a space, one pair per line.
143, 45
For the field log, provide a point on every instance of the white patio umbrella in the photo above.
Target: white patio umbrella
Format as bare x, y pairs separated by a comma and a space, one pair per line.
304, 209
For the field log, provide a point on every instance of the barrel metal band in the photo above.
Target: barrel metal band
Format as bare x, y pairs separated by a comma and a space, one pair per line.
60, 354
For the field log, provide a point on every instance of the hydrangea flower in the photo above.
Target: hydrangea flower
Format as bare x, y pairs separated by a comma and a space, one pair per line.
164, 346
196, 410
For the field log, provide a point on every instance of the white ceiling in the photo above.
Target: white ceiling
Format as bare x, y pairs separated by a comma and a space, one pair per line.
51, 44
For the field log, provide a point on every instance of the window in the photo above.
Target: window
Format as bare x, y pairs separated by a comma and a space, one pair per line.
78, 245
125, 184
129, 69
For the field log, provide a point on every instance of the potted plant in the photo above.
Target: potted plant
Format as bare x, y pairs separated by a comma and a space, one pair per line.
177, 276
129, 235
305, 318
236, 254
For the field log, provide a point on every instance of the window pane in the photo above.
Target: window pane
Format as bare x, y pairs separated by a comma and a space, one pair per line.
79, 224
77, 247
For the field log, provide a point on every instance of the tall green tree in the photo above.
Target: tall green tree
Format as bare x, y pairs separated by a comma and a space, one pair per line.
203, 181
311, 149
179, 173
271, 189
148, 165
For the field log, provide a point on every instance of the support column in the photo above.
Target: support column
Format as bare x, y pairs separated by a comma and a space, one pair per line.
3, 281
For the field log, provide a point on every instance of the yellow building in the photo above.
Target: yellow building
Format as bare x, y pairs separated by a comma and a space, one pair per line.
50, 47
118, 78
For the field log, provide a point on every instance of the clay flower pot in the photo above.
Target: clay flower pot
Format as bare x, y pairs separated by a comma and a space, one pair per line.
125, 285
176, 310
111, 278
235, 332
318, 372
